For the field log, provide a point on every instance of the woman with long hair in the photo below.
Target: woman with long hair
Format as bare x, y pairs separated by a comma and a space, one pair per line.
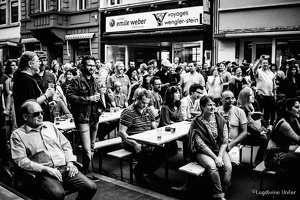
208, 140
170, 112
237, 82
285, 133
291, 84
256, 131
10, 68
214, 85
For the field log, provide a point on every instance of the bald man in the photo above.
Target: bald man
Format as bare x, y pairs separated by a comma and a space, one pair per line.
40, 147
235, 117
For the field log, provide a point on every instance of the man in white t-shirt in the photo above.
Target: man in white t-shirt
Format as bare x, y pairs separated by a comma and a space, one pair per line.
266, 90
190, 78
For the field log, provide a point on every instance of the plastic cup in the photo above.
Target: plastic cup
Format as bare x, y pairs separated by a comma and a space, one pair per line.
159, 134
173, 130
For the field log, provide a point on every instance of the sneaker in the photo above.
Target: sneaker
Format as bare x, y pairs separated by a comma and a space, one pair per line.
94, 178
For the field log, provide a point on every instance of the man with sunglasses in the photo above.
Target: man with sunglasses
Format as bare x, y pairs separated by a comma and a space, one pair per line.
40, 147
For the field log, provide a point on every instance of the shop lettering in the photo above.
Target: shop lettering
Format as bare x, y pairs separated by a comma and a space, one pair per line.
181, 21
134, 22
178, 14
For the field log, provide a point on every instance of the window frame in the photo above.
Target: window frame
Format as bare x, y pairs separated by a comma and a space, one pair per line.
11, 11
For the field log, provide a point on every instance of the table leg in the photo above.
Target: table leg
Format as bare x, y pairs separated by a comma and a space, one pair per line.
166, 168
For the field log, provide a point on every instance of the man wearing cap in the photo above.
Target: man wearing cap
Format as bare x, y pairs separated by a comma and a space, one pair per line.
190, 78
163, 75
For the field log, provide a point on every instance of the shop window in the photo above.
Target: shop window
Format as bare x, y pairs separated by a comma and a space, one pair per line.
248, 51
2, 13
14, 8
188, 51
264, 48
115, 2
115, 53
81, 4
287, 49
83, 48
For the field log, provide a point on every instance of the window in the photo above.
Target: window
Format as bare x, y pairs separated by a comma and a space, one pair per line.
14, 9
115, 2
81, 4
2, 12
43, 5
188, 51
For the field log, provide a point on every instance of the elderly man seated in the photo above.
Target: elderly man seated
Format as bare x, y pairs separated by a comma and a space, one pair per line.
40, 147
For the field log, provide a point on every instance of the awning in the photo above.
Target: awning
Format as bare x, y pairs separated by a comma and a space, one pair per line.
79, 36
29, 40
8, 43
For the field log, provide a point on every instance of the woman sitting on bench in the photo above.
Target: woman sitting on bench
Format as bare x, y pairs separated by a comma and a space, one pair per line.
208, 139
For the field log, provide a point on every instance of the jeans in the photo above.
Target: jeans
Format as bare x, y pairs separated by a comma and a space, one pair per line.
52, 188
267, 106
255, 140
104, 128
88, 135
220, 177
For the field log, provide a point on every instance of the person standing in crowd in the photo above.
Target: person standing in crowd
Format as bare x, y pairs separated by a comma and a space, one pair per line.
163, 75
156, 100
214, 85
130, 69
237, 82
208, 139
190, 78
266, 89
190, 105
291, 83
225, 75
279, 81
257, 133
25, 86
153, 63
83, 97
120, 77
135, 119
40, 147
236, 119
10, 68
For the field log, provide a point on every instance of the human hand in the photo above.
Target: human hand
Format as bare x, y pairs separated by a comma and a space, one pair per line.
219, 161
55, 173
138, 148
72, 169
50, 92
95, 98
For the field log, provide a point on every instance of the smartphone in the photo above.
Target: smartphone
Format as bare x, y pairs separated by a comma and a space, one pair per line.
267, 56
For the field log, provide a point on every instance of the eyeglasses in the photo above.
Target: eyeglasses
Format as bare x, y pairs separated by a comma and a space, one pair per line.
37, 114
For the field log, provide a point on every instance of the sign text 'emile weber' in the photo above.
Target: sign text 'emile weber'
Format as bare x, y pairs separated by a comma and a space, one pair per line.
158, 19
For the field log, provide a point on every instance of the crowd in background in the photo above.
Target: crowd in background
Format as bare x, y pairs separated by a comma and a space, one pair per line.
175, 90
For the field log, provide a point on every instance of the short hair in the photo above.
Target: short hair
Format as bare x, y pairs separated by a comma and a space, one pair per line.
226, 91
194, 87
140, 92
73, 72
152, 61
24, 109
25, 58
152, 80
144, 66
117, 64
85, 58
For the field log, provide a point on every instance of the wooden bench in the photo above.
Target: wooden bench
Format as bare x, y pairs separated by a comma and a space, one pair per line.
122, 153
262, 170
192, 168
99, 146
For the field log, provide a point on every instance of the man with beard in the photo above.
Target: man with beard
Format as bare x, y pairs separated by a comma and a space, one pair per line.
156, 100
81, 93
163, 75
190, 78
120, 77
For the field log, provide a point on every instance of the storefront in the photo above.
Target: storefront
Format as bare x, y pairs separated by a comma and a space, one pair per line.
140, 37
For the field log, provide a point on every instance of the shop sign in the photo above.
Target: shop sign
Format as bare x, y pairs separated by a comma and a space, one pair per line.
190, 16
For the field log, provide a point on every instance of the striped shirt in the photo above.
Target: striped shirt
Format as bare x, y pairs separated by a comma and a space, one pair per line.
135, 121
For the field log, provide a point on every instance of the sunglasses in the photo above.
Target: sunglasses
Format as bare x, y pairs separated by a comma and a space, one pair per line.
37, 114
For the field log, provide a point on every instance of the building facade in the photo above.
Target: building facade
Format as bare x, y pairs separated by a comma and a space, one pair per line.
244, 30
65, 29
135, 30
9, 29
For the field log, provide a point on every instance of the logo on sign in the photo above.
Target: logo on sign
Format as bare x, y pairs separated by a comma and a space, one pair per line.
112, 23
159, 17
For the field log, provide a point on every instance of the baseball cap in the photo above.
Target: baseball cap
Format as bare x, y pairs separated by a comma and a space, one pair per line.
166, 62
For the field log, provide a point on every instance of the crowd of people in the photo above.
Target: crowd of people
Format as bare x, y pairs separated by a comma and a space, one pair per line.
227, 105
